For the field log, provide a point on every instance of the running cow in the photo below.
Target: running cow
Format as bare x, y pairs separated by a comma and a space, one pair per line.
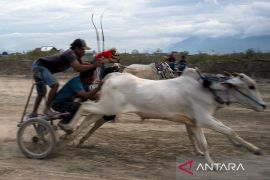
125, 93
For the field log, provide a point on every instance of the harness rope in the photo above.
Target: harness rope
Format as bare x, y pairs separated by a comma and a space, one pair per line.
249, 97
210, 79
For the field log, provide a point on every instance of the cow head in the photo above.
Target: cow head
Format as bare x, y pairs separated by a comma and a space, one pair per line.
116, 67
246, 92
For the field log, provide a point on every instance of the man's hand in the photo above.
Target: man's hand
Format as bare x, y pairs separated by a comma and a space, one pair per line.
94, 95
100, 82
116, 58
98, 62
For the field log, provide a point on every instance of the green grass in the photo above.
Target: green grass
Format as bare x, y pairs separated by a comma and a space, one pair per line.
127, 59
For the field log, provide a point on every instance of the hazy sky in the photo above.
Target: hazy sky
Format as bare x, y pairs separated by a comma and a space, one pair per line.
128, 24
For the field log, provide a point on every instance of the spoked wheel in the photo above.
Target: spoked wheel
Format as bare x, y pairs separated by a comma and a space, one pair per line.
36, 138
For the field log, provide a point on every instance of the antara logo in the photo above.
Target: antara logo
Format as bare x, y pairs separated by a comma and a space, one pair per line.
189, 163
187, 167
221, 167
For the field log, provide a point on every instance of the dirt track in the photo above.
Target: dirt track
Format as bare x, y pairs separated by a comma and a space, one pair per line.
129, 149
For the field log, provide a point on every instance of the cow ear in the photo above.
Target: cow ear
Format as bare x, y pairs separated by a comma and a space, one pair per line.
218, 86
228, 85
233, 82
222, 86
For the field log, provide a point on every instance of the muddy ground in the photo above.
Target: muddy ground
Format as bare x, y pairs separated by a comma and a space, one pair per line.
129, 149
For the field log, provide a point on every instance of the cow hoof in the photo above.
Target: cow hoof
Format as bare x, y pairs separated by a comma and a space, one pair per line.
199, 153
73, 143
238, 145
81, 142
63, 137
258, 152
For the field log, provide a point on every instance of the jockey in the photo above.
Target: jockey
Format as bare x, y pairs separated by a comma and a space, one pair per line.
171, 61
77, 87
45, 67
109, 55
182, 64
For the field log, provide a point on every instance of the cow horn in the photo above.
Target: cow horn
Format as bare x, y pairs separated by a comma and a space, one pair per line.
227, 74
235, 74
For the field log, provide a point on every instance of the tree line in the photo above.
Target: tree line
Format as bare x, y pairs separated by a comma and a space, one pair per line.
144, 58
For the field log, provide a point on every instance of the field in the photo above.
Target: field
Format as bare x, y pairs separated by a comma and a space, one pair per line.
130, 149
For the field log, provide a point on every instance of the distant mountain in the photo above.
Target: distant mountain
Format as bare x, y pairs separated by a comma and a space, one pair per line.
222, 44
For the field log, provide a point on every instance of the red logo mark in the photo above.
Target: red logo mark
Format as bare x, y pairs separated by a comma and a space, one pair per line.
181, 167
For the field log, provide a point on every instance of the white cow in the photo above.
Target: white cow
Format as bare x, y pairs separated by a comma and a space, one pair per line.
154, 71
170, 99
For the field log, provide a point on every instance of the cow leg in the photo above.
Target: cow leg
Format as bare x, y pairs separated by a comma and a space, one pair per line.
193, 141
198, 133
79, 114
88, 120
141, 117
97, 125
221, 128
235, 143
81, 111
85, 123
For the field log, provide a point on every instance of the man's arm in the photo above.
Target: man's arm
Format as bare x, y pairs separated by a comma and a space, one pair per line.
83, 67
92, 95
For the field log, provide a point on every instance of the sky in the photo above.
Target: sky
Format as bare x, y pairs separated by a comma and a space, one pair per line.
144, 25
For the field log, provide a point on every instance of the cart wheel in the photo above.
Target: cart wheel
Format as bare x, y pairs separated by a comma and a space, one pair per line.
36, 138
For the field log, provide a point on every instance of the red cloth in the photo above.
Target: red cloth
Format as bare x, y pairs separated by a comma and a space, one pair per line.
106, 54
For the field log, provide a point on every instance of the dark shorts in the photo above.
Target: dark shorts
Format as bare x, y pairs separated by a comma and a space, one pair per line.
42, 77
71, 107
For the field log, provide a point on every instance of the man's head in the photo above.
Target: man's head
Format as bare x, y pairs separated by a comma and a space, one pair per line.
183, 57
113, 50
173, 53
88, 76
115, 55
79, 46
